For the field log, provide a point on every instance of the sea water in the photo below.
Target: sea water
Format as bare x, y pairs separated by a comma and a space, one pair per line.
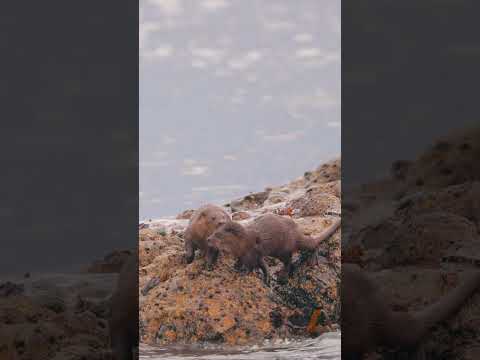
326, 346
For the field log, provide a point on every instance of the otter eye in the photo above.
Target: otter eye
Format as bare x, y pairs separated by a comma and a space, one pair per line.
214, 218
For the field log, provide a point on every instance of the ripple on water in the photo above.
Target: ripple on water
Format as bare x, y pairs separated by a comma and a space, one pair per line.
325, 347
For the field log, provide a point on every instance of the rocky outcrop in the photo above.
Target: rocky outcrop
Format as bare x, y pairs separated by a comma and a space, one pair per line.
66, 317
182, 303
185, 215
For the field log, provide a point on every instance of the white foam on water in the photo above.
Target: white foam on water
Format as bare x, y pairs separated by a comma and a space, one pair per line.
327, 346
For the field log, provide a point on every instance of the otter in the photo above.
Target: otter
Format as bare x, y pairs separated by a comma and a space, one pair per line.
368, 322
268, 235
204, 221
123, 322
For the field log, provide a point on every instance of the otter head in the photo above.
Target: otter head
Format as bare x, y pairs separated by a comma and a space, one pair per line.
212, 220
227, 236
207, 223
218, 221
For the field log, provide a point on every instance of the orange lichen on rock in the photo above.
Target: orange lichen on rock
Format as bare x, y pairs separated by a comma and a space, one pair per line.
312, 327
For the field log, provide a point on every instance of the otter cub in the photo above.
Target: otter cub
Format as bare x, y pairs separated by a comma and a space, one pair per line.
123, 322
204, 221
268, 235
368, 322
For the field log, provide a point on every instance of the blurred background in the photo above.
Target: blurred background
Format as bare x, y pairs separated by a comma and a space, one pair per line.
234, 96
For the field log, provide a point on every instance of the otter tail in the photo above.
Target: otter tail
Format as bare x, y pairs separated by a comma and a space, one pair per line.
411, 328
311, 243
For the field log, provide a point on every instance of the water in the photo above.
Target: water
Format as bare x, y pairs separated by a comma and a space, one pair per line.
326, 346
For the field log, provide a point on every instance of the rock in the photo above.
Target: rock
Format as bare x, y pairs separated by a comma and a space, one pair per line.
187, 214
11, 289
111, 263
449, 161
314, 204
428, 238
101, 308
249, 202
377, 236
462, 200
143, 226
276, 198
330, 171
277, 318
50, 301
153, 282
183, 303
332, 188
240, 215
42, 327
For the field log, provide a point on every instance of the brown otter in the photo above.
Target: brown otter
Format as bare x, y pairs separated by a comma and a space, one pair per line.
123, 322
268, 235
204, 221
368, 322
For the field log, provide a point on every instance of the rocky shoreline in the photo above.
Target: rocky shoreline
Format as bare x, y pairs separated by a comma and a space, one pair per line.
187, 304
65, 316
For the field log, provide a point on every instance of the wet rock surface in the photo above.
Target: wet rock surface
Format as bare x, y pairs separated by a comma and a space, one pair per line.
189, 304
417, 234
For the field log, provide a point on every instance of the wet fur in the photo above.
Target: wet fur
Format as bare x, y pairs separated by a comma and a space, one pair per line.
204, 221
268, 235
368, 322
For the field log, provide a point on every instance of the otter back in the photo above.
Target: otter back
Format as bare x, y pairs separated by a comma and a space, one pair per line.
278, 235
